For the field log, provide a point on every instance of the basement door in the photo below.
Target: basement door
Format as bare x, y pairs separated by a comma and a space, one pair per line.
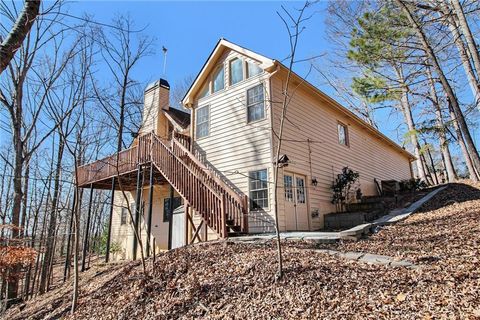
296, 209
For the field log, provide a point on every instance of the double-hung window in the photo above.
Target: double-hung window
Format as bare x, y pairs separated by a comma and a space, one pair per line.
258, 189
255, 103
202, 122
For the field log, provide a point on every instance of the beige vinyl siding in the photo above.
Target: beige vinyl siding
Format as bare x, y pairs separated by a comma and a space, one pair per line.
233, 145
315, 120
124, 235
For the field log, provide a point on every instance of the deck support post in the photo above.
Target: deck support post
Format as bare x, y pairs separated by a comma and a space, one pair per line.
170, 220
187, 225
69, 239
150, 206
138, 207
110, 216
87, 229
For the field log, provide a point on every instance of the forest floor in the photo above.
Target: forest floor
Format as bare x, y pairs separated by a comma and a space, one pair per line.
225, 280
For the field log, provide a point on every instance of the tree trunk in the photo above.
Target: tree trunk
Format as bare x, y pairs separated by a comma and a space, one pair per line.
467, 66
19, 31
53, 220
76, 249
407, 113
467, 33
444, 147
25, 200
463, 147
446, 86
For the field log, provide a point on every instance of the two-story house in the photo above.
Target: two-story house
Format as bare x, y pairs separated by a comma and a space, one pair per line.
214, 166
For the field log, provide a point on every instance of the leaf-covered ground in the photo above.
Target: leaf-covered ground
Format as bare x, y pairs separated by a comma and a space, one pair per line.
236, 280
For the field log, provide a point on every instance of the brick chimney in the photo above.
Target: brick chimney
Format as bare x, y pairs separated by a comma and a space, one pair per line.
156, 99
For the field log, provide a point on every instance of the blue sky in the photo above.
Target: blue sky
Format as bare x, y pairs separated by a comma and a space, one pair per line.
190, 30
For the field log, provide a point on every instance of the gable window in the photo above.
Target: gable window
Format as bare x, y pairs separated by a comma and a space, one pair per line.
205, 91
253, 69
236, 71
258, 185
177, 202
123, 216
218, 79
255, 104
202, 122
343, 134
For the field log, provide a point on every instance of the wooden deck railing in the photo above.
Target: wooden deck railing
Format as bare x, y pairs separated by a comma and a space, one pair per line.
123, 162
205, 192
236, 204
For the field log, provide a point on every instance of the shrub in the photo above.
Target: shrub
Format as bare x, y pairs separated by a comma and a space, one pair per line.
343, 185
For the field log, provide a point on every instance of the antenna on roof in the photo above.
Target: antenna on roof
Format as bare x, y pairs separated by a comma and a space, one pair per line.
164, 60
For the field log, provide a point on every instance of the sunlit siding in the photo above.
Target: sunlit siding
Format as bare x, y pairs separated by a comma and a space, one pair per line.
311, 118
233, 146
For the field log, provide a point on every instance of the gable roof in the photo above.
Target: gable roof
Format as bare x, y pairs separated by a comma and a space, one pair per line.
272, 65
222, 45
178, 117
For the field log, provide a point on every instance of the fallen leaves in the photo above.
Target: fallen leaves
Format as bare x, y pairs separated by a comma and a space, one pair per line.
237, 281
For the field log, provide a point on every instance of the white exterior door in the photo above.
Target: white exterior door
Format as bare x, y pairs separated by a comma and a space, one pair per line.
296, 208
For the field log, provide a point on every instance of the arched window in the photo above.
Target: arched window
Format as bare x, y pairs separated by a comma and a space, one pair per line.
236, 71
218, 79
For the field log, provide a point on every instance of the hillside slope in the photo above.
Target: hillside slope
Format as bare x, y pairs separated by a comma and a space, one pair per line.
236, 280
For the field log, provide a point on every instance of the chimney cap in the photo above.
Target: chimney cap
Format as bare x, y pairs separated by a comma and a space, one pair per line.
161, 82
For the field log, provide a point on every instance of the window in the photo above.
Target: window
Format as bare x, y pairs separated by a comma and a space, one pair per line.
177, 202
343, 134
205, 91
123, 216
258, 189
255, 105
287, 183
202, 120
253, 69
300, 189
236, 71
218, 79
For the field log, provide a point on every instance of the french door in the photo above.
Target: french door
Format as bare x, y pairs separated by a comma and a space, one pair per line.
296, 207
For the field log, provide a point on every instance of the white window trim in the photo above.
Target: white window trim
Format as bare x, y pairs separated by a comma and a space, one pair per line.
247, 106
242, 61
347, 134
246, 70
219, 66
266, 209
208, 122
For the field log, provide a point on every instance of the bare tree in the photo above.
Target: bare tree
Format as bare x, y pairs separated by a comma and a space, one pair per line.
19, 32
294, 27
452, 99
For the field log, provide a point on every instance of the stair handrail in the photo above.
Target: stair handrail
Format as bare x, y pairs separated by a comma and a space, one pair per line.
219, 196
208, 171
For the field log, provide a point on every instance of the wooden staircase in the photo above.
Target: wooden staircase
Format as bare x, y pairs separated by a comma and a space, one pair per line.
220, 206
